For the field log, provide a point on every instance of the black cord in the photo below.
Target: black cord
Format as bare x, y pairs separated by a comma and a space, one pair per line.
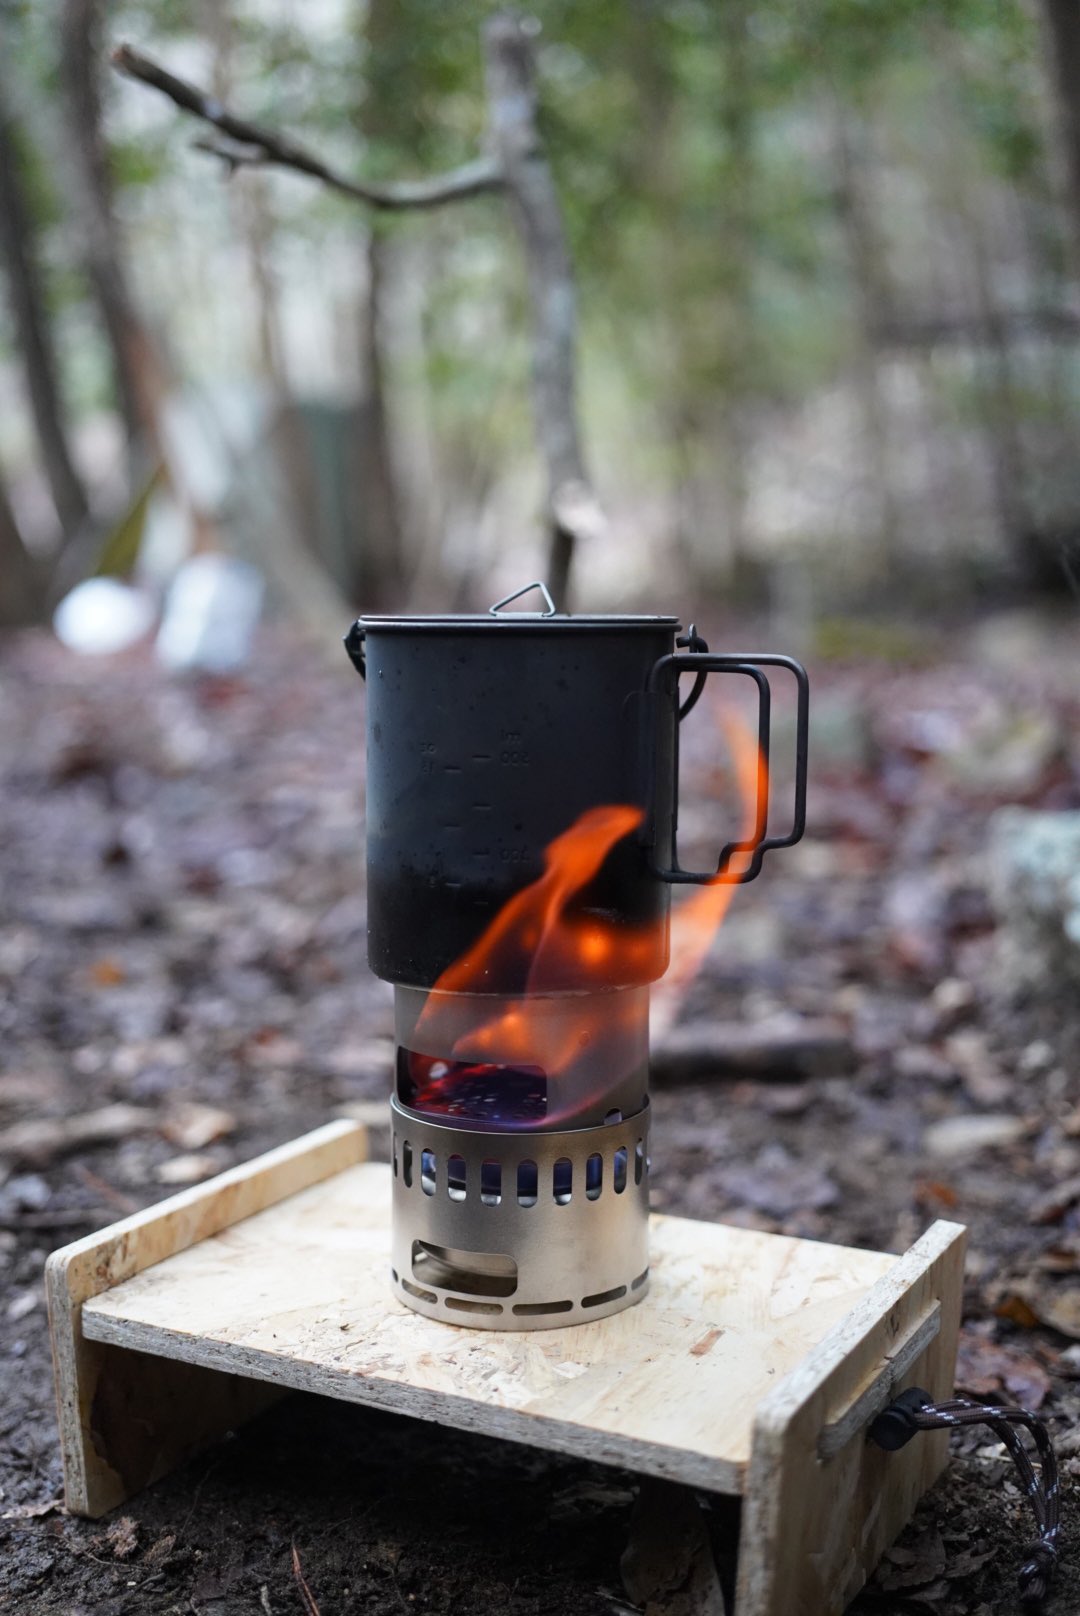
914, 1411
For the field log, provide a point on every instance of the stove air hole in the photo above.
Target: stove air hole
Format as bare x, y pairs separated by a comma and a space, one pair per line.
406, 1164
427, 1171
477, 1273
604, 1296
536, 1310
639, 1162
455, 1177
594, 1177
415, 1290
612, 1116
636, 1284
563, 1181
491, 1182
393, 1138
528, 1183
472, 1307
618, 1177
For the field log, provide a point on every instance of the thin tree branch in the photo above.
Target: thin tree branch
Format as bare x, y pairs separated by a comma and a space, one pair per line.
517, 166
257, 144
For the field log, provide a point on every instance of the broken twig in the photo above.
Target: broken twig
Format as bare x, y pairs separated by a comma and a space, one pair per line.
307, 1598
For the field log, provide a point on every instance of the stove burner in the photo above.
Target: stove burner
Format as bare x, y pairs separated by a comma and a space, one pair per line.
495, 1093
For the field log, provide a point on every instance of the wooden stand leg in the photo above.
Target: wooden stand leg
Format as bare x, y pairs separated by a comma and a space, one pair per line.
821, 1505
127, 1418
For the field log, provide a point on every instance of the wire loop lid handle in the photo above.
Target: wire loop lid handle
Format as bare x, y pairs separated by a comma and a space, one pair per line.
549, 604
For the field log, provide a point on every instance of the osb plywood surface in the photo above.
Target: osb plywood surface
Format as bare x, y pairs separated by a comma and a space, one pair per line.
300, 1295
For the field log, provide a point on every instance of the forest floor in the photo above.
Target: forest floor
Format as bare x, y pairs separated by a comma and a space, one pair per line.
185, 984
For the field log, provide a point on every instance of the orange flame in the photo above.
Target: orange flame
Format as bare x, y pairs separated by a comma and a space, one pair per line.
533, 932
535, 940
532, 925
697, 918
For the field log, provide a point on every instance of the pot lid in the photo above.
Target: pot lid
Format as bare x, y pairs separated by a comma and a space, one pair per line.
497, 616
520, 620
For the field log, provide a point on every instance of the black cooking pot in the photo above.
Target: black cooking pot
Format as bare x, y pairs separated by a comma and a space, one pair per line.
488, 736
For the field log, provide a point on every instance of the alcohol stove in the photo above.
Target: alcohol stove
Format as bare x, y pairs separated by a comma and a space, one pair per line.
522, 791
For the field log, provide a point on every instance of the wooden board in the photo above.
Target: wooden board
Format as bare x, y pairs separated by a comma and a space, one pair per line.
753, 1365
300, 1296
821, 1503
125, 1420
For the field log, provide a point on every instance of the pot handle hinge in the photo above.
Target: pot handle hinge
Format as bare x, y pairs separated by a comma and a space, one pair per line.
354, 646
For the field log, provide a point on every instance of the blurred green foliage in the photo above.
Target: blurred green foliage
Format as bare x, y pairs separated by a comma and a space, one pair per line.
695, 149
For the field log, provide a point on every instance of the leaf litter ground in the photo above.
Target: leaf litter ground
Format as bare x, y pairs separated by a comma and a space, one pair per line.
182, 948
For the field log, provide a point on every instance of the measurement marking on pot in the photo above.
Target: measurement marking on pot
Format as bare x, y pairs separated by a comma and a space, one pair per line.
451, 768
481, 757
451, 827
482, 807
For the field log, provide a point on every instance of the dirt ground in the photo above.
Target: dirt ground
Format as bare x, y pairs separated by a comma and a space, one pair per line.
182, 938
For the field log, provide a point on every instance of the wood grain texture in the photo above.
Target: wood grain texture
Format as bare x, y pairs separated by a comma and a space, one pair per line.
813, 1529
300, 1296
126, 1418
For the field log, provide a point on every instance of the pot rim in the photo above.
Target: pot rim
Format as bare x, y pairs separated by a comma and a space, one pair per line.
531, 622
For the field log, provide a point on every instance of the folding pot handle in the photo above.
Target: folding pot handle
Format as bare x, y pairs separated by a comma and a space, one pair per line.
664, 687
354, 646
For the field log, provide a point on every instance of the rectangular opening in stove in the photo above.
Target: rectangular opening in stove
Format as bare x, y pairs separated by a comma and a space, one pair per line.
476, 1273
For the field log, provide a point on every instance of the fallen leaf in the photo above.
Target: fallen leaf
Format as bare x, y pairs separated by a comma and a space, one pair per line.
192, 1126
122, 1538
1029, 1303
107, 972
1051, 1208
1018, 1311
914, 1565
159, 1552
20, 1306
964, 1136
29, 1512
988, 1368
45, 1138
931, 1193
187, 1169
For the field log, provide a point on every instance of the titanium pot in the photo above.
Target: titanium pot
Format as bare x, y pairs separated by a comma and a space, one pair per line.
489, 735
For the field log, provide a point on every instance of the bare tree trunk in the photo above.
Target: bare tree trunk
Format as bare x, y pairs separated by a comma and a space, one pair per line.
511, 86
380, 569
873, 305
737, 121
138, 363
22, 579
1062, 31
380, 565
136, 367
1000, 403
33, 333
248, 205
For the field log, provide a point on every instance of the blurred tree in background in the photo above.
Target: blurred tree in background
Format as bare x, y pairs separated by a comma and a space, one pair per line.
827, 258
